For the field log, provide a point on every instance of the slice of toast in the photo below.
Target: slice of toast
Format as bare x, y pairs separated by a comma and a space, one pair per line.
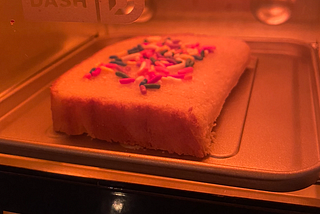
136, 102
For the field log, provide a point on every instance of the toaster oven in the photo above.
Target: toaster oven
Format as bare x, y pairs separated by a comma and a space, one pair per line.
266, 155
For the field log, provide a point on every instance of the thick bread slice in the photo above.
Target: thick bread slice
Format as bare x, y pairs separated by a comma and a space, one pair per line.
177, 118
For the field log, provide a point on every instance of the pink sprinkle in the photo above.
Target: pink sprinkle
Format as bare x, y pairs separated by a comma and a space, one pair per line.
101, 64
185, 70
162, 58
176, 41
178, 51
123, 69
127, 68
139, 61
87, 75
96, 72
160, 44
169, 64
142, 72
148, 63
187, 77
171, 60
161, 69
150, 75
143, 89
111, 65
155, 56
155, 79
193, 45
184, 51
142, 68
157, 63
178, 76
209, 48
147, 53
126, 80
158, 55
173, 46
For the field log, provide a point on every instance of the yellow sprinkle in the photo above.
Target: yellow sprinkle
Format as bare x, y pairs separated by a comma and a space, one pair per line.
153, 38
107, 69
186, 56
152, 68
131, 62
139, 79
176, 67
122, 53
176, 55
170, 79
162, 48
192, 51
150, 46
142, 66
164, 62
130, 57
168, 53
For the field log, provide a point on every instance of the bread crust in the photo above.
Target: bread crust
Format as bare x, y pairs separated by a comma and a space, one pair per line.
177, 118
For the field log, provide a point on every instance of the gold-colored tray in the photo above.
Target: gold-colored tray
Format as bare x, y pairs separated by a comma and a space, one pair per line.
267, 133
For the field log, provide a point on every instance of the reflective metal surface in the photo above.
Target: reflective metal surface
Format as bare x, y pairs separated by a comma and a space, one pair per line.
266, 133
309, 196
284, 99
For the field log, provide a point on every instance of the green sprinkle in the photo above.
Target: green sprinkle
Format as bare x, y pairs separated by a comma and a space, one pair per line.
202, 53
153, 60
119, 62
113, 57
121, 74
197, 57
140, 48
92, 69
163, 52
143, 82
133, 50
154, 86
189, 63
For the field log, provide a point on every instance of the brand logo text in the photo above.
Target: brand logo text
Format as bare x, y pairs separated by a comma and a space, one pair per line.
58, 3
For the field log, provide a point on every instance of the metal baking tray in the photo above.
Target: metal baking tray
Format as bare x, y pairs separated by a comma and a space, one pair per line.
266, 136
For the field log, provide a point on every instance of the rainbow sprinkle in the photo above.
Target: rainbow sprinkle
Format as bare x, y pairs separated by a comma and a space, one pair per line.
156, 59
